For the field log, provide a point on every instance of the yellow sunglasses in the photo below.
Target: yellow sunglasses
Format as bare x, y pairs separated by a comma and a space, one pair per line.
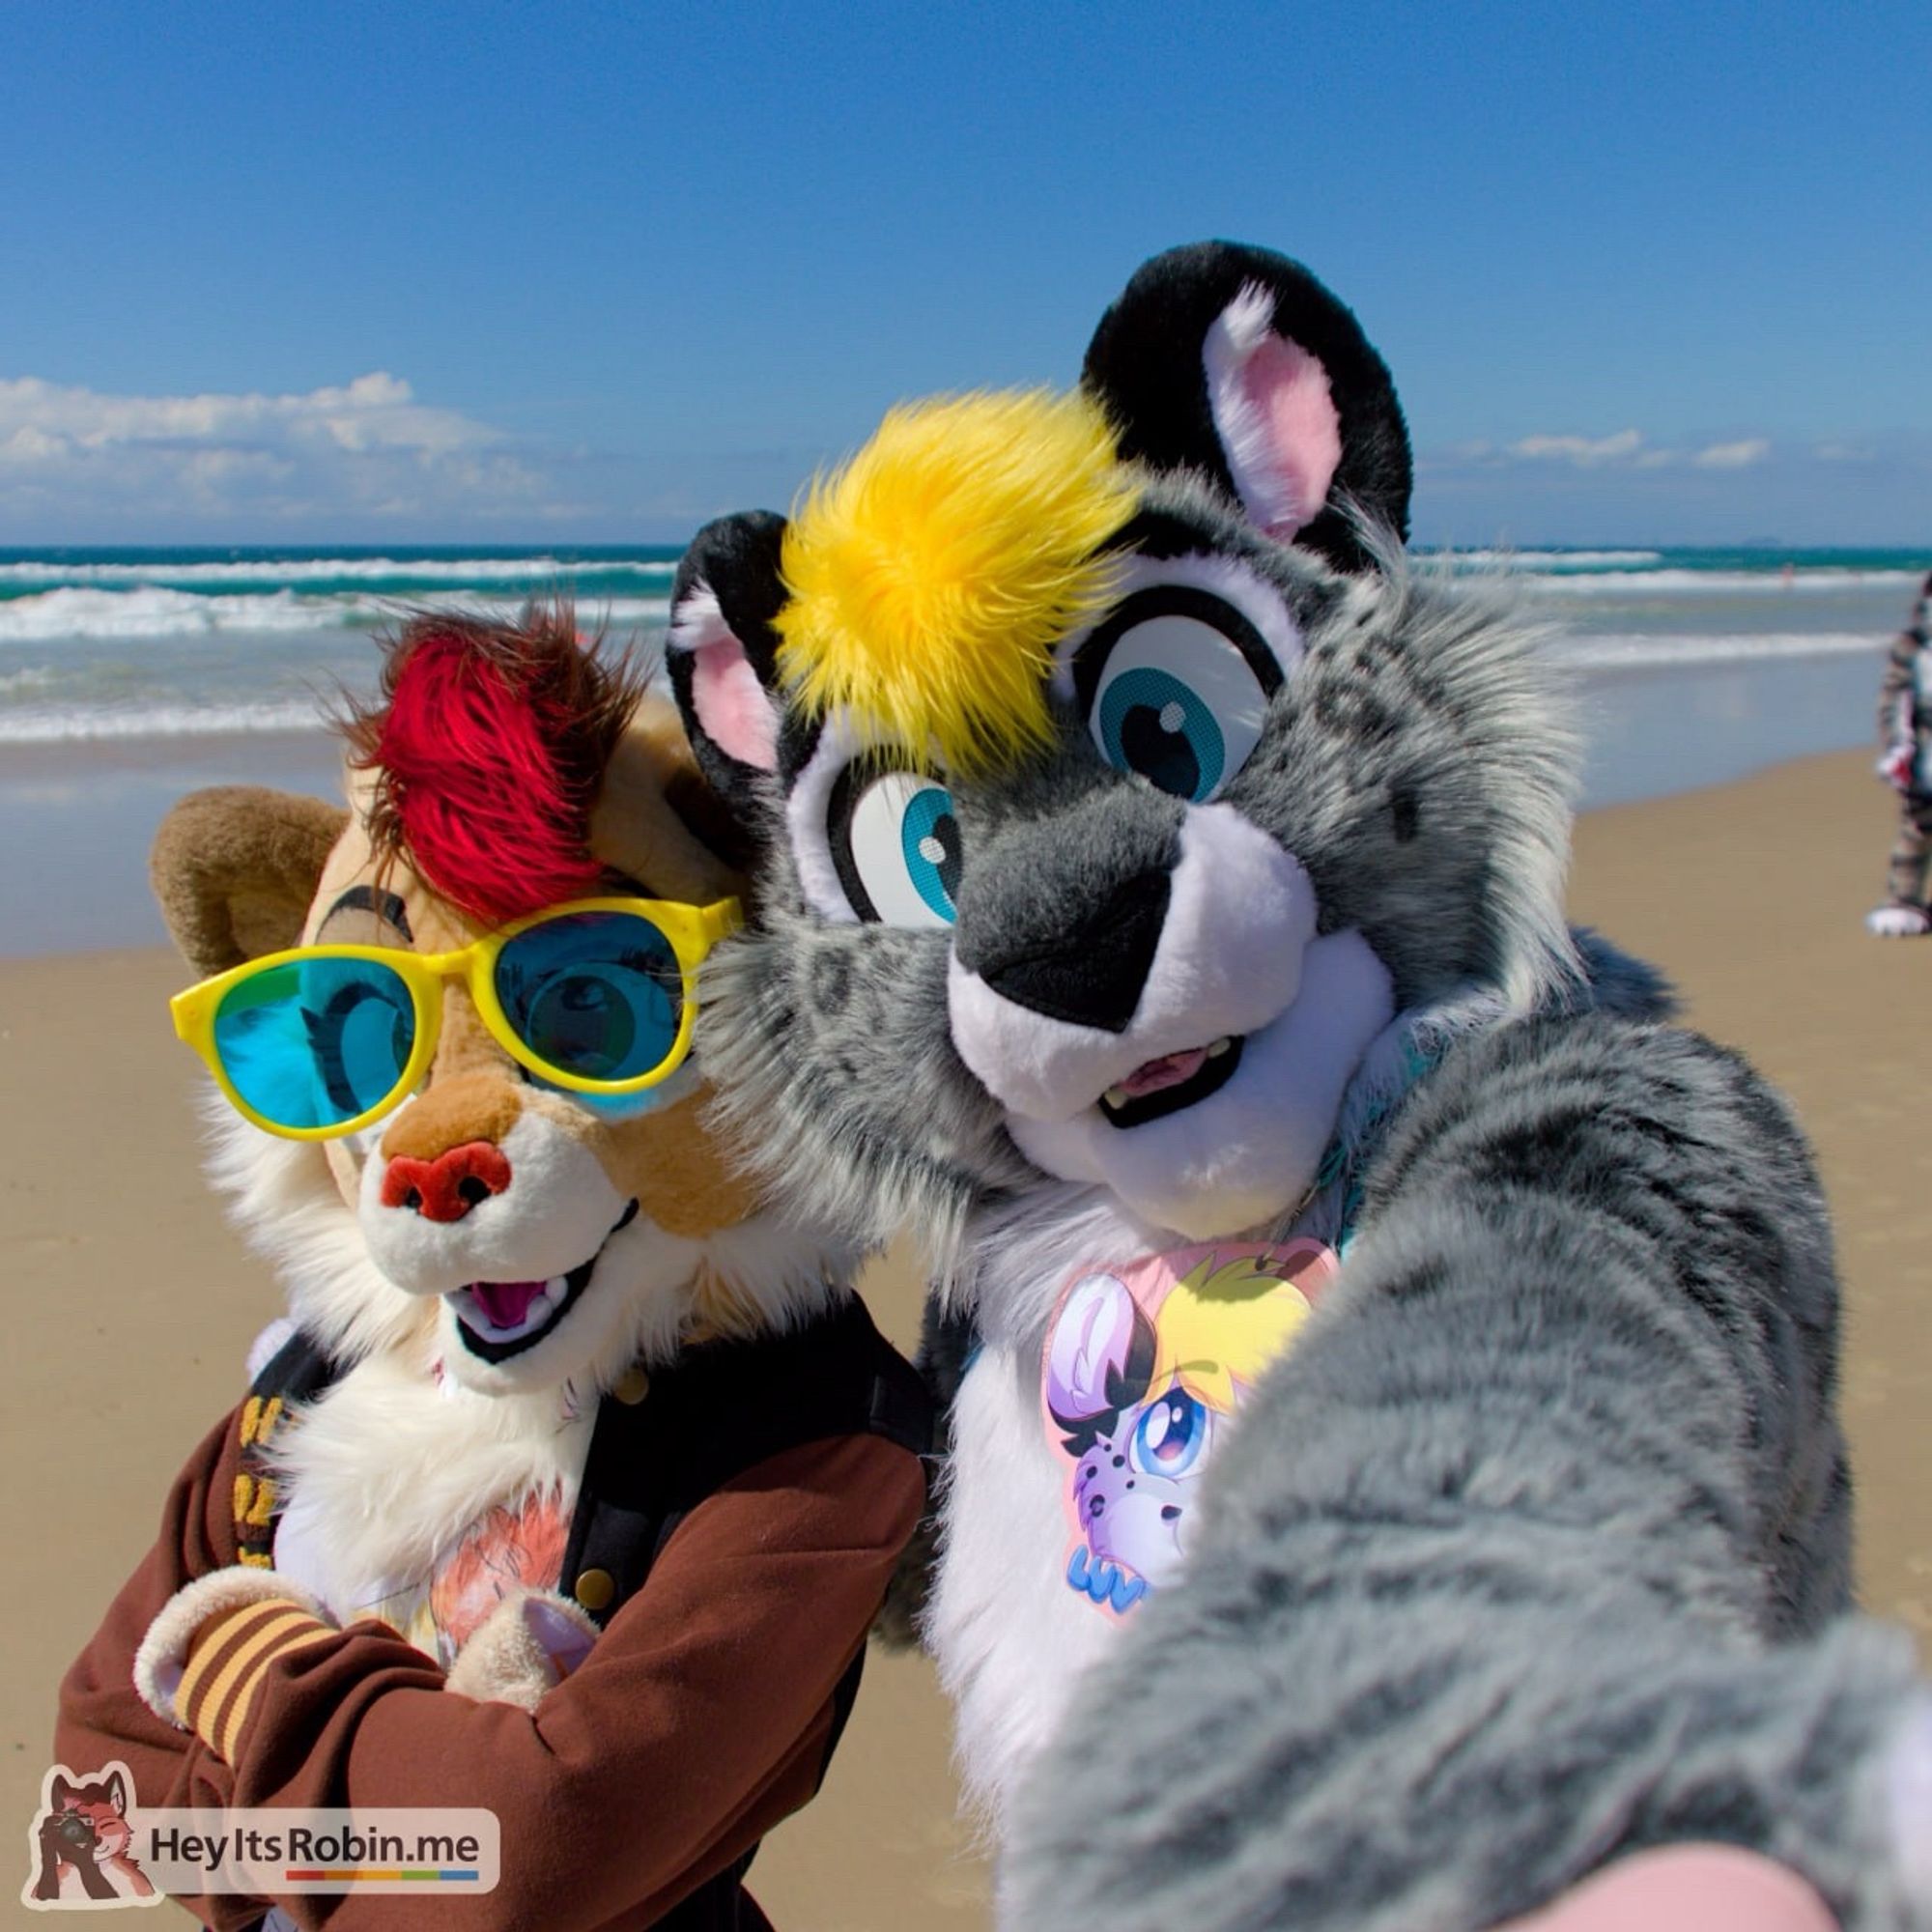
597, 997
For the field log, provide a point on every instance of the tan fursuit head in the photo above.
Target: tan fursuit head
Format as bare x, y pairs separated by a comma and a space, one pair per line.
491, 1258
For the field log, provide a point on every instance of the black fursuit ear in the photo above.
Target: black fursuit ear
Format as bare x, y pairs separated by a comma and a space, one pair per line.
1238, 362
721, 652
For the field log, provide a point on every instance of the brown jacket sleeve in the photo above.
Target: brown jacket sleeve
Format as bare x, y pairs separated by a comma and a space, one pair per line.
698, 1721
101, 1717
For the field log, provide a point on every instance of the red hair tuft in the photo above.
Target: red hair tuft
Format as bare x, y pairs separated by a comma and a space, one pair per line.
489, 745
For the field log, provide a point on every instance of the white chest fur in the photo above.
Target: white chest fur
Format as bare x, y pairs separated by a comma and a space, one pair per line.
385, 1473
1011, 1637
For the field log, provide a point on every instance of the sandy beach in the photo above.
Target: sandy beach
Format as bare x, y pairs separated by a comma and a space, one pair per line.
133, 1306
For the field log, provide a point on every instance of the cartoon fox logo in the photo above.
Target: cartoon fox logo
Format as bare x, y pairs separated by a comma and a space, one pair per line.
81, 1841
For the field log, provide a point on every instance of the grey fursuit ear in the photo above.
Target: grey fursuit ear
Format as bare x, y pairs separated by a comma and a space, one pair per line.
1237, 362
722, 655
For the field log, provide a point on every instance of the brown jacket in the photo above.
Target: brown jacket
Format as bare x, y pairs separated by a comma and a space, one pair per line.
699, 1720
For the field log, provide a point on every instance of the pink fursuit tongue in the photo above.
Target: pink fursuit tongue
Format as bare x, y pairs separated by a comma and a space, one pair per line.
1169, 1070
505, 1304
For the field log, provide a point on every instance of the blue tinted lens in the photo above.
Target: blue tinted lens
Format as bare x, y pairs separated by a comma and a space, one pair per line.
598, 995
315, 1043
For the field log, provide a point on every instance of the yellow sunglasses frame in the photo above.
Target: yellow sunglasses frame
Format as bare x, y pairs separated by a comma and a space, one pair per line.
692, 929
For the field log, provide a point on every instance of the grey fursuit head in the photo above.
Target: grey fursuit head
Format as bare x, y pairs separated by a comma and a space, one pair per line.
1393, 1466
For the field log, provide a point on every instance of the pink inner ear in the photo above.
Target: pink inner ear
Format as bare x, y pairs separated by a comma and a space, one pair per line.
1288, 390
1275, 415
732, 705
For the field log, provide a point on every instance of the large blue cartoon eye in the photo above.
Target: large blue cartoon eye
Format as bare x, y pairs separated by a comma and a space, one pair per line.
1177, 684
1172, 1435
894, 845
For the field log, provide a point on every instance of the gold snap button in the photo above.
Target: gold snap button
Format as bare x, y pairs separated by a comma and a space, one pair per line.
595, 1589
632, 1386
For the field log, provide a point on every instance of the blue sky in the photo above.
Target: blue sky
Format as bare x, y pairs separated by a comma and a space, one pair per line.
1643, 273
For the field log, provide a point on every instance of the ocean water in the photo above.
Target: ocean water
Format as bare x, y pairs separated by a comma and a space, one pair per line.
97, 643
129, 676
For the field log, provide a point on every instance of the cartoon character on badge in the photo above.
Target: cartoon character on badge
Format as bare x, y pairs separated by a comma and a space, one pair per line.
1144, 1368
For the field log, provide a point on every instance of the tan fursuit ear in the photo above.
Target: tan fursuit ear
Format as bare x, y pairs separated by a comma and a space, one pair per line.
656, 820
236, 868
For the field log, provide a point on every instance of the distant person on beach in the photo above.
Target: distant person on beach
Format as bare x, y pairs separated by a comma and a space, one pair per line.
1905, 762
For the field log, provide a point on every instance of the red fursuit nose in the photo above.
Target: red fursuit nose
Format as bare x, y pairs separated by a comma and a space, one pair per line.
448, 1187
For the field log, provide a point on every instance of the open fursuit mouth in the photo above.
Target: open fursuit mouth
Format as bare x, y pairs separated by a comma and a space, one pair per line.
500, 1319
1175, 1081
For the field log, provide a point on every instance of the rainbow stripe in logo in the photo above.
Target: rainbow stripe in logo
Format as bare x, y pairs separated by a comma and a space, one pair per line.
375, 1874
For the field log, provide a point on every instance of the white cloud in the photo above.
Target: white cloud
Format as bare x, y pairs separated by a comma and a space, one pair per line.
361, 450
1733, 455
1578, 449
1832, 489
1628, 449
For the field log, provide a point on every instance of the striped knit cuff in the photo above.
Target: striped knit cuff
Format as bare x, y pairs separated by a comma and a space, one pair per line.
206, 1655
227, 1661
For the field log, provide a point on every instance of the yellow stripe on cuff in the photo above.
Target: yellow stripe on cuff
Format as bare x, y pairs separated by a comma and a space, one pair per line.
236, 1716
229, 1656
217, 1640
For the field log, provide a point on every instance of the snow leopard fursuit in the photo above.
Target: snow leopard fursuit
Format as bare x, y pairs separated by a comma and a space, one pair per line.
1162, 911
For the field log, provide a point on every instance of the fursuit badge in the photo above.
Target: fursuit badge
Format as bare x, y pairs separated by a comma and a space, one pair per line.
1145, 1365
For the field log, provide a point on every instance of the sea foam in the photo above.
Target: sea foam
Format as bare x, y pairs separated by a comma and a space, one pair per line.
151, 612
535, 570
1713, 583
49, 725
1655, 650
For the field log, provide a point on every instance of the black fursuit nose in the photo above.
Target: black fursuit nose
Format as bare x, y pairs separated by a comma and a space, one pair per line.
1091, 972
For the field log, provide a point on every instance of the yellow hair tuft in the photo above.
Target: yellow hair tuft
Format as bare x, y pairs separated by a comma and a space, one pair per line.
931, 577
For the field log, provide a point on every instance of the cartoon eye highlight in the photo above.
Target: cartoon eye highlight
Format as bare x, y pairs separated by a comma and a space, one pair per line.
1175, 685
1172, 1435
894, 845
